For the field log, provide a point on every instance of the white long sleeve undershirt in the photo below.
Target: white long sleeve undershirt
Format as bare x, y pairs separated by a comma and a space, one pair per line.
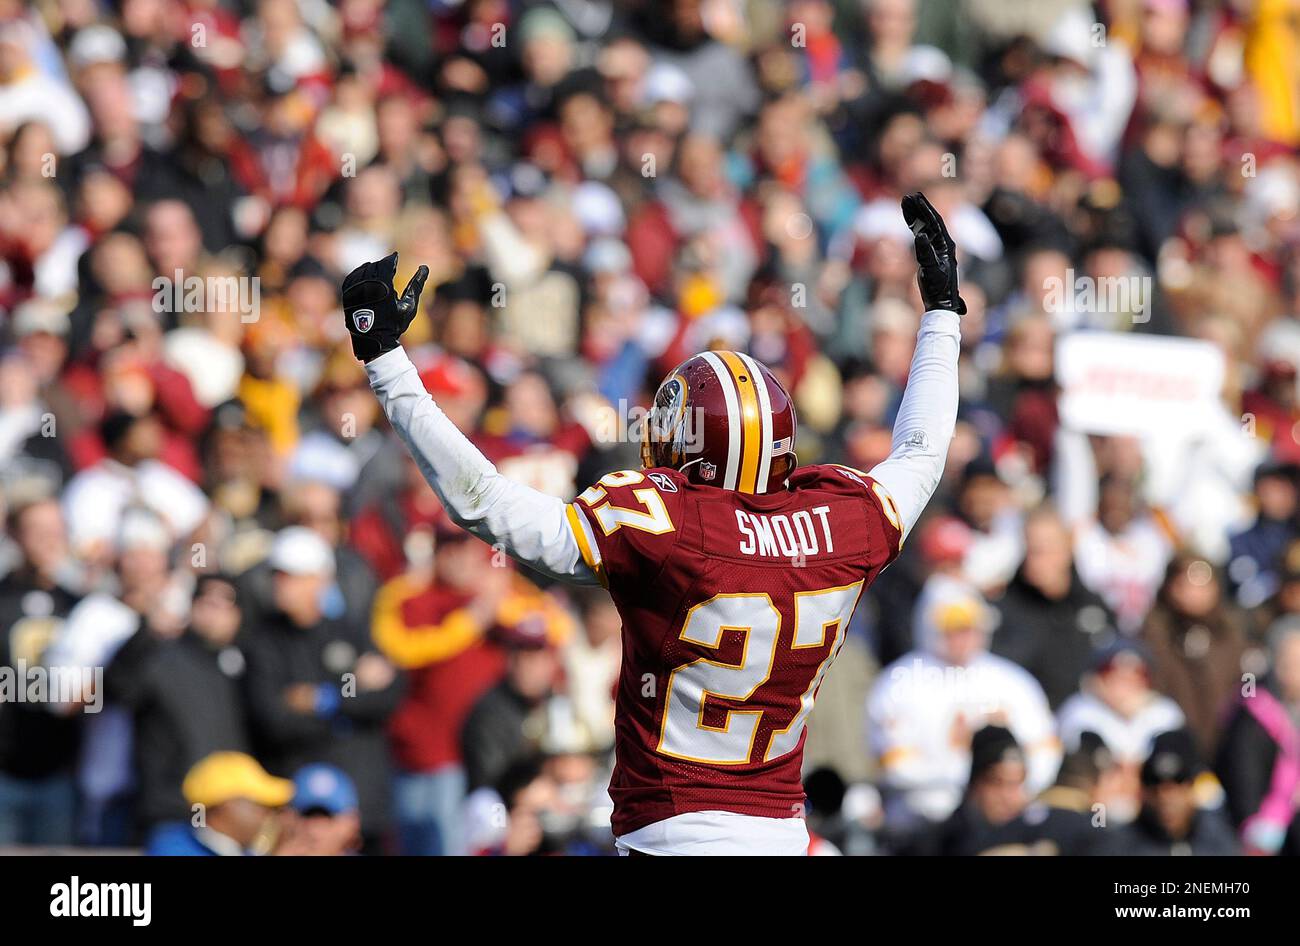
926, 418
529, 525
532, 526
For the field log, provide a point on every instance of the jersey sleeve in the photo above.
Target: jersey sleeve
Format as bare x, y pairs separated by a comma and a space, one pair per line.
883, 522
627, 523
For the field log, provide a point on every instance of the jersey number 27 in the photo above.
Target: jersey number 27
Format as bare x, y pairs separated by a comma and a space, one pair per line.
819, 615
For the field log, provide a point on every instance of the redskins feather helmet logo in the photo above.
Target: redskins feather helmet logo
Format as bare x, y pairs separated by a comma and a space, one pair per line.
363, 319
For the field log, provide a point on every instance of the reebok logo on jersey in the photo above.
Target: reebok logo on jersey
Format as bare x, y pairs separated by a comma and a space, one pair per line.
849, 474
663, 482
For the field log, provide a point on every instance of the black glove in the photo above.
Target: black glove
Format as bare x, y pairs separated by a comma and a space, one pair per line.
936, 255
374, 315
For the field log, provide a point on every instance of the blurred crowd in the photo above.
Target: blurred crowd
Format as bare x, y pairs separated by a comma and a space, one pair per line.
267, 637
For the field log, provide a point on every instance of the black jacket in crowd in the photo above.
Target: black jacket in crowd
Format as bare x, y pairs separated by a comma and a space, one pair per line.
34, 743
1210, 837
492, 738
187, 701
965, 833
1058, 823
1247, 754
350, 735
1052, 639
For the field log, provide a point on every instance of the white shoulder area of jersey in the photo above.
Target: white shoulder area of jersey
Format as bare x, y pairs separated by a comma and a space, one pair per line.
851, 473
622, 506
872, 485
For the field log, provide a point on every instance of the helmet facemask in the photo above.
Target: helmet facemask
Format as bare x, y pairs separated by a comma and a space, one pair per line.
663, 438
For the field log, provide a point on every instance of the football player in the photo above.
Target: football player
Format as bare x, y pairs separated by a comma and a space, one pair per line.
735, 571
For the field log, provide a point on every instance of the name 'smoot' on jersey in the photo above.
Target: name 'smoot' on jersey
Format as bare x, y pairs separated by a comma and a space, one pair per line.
789, 536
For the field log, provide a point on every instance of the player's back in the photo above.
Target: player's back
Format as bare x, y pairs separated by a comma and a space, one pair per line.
734, 606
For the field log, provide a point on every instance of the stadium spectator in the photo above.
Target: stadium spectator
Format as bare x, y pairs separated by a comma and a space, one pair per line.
326, 822
1116, 703
1050, 623
832, 818
1122, 555
996, 546
494, 735
28, 391
1068, 819
317, 689
31, 92
96, 497
1198, 644
925, 706
316, 505
1171, 822
146, 597
994, 795
435, 627
528, 795
1255, 554
591, 667
185, 695
236, 809
1259, 757
37, 748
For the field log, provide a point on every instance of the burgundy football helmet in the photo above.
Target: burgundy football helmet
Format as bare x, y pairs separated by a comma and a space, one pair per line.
724, 420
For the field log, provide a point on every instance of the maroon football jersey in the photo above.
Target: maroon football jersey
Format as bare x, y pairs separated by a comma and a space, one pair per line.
734, 605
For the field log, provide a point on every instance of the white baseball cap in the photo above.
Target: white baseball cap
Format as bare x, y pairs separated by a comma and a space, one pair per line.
96, 44
598, 209
40, 315
141, 528
665, 82
298, 550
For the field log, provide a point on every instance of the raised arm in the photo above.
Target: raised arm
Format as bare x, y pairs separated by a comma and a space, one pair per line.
528, 525
928, 414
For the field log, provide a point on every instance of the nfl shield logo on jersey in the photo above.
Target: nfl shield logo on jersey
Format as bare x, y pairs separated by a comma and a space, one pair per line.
708, 471
363, 319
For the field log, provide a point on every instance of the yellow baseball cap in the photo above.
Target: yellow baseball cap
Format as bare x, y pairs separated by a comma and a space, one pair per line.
961, 614
225, 776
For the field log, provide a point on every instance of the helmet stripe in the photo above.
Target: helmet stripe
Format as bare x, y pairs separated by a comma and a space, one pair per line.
751, 418
765, 412
729, 395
